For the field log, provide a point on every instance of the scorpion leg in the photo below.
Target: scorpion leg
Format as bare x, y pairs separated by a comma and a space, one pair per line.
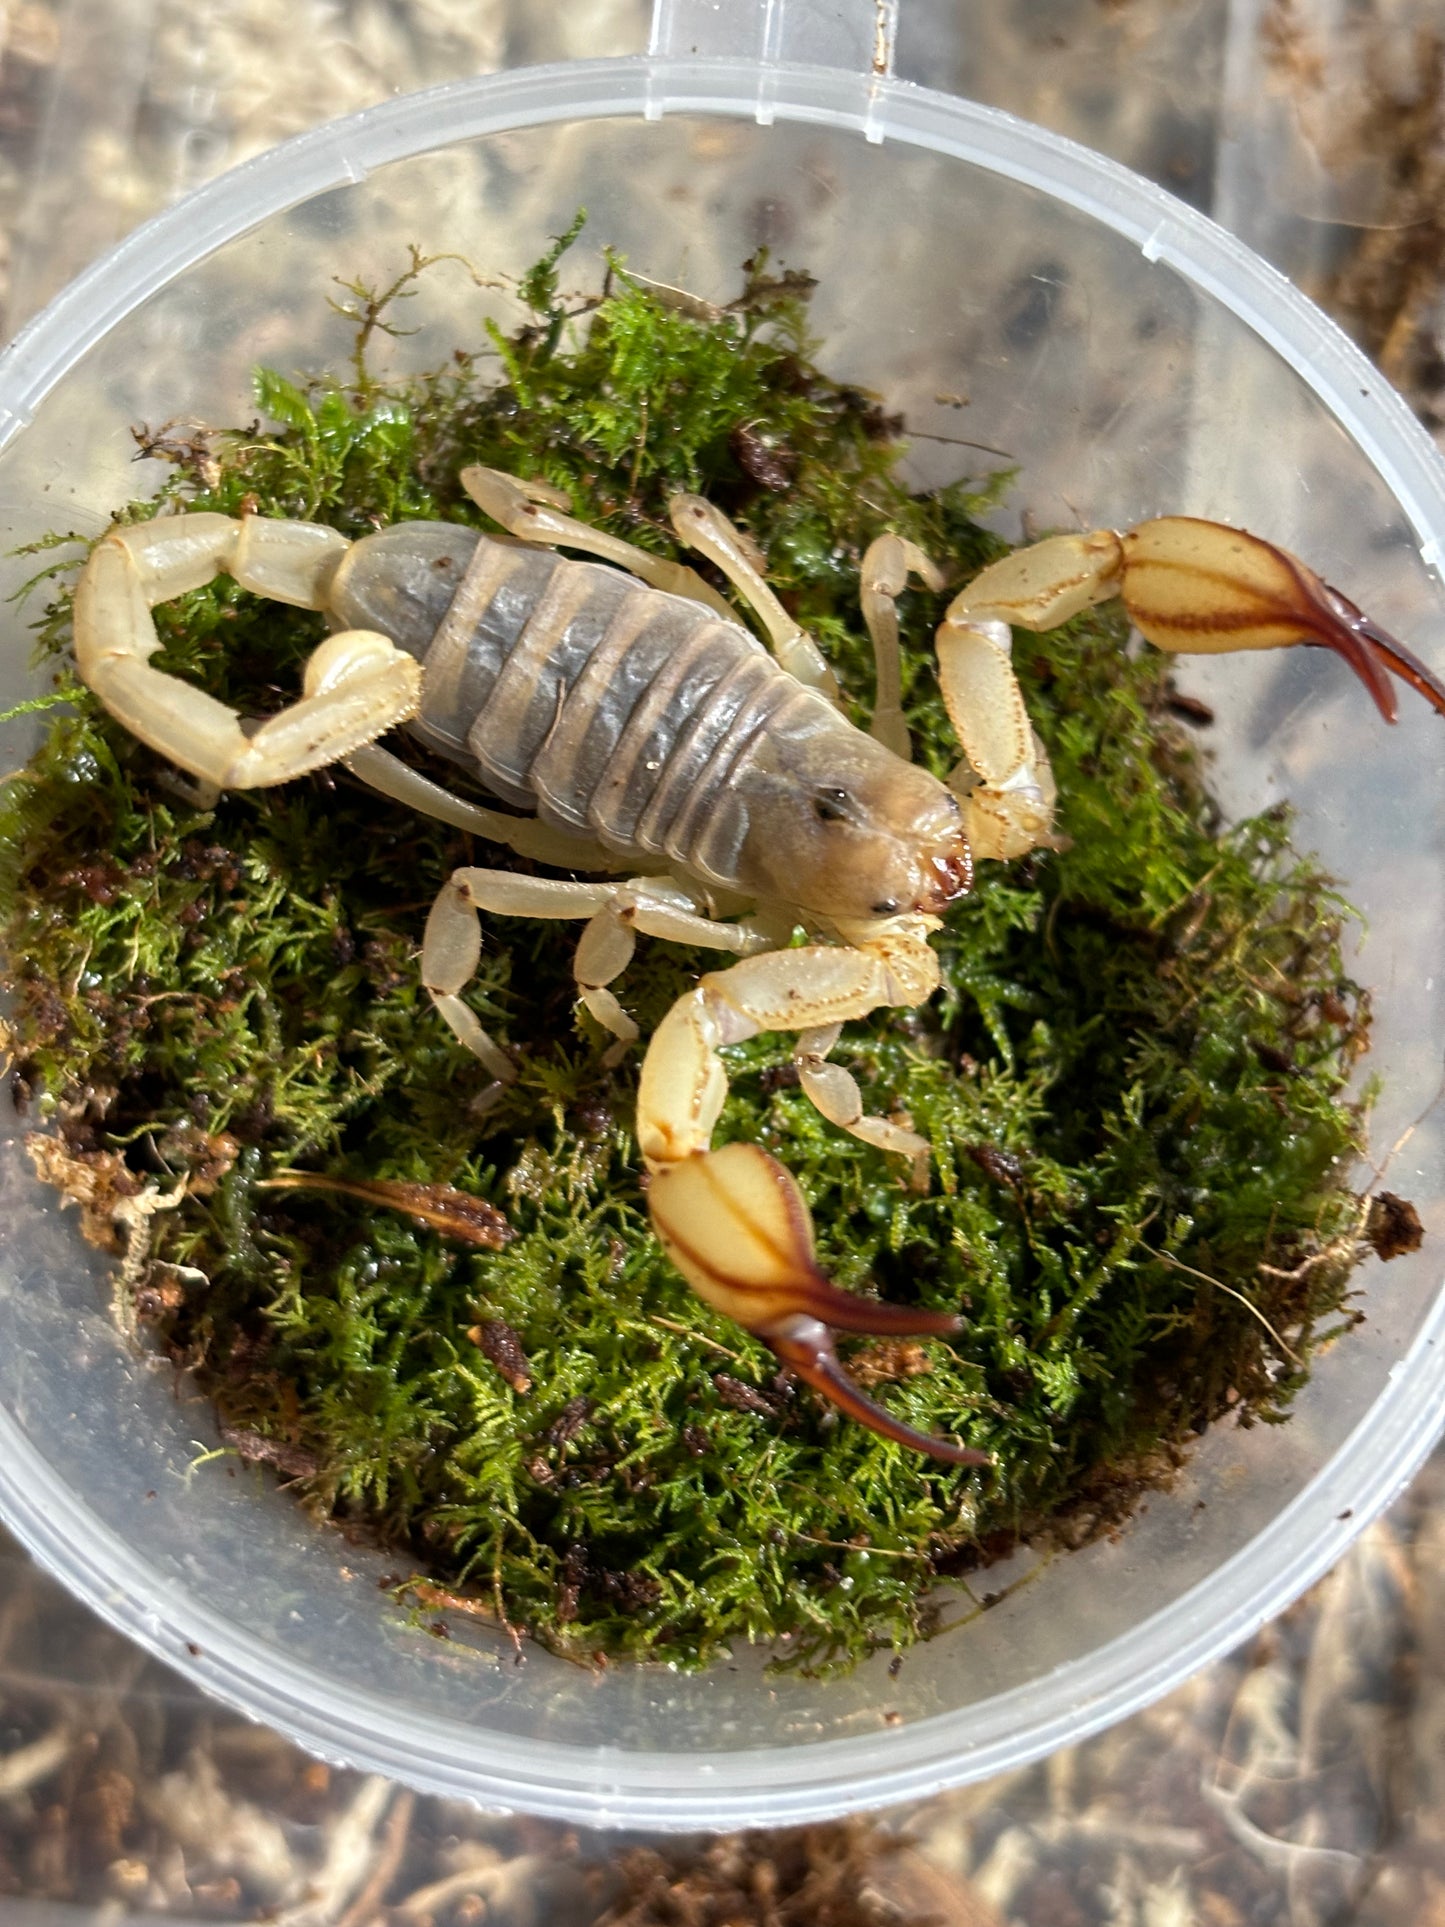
614, 913
887, 564
356, 685
836, 1095
707, 529
389, 776
734, 1220
535, 513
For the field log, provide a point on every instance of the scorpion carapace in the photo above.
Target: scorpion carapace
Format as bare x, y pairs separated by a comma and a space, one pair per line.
713, 790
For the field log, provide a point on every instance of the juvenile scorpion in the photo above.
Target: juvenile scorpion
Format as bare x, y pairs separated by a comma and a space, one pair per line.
715, 790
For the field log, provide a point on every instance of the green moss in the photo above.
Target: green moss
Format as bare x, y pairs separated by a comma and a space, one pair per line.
1133, 1081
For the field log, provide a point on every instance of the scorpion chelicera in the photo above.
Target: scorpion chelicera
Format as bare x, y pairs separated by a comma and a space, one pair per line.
715, 789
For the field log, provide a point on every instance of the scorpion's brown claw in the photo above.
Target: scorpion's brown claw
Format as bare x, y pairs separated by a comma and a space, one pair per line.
806, 1347
1192, 585
736, 1225
1376, 645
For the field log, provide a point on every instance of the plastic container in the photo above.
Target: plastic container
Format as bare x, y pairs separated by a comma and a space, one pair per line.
1126, 357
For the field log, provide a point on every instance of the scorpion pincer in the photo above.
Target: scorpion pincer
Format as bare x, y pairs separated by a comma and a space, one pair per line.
711, 786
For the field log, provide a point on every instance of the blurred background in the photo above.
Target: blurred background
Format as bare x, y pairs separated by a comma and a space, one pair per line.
1301, 1781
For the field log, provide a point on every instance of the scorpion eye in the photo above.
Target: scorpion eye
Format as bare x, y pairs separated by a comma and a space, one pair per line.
831, 805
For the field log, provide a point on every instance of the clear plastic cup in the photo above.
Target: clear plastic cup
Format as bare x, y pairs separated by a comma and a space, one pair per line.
1001, 287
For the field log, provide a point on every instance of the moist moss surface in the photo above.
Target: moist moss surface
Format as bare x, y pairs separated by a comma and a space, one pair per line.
1133, 1081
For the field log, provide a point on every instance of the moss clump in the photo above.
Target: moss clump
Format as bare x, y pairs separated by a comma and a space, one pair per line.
1132, 1082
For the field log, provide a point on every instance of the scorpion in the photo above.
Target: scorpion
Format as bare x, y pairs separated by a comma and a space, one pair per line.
695, 785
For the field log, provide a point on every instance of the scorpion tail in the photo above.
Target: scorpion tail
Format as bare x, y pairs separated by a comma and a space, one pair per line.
737, 1227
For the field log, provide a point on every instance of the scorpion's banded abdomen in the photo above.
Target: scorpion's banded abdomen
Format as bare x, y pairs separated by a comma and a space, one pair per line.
402, 580
573, 689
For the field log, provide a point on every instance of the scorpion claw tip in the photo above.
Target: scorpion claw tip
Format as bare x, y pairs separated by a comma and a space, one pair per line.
1371, 650
805, 1346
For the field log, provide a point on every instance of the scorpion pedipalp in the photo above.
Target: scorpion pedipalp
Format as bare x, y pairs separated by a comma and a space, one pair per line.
734, 1221
1196, 586
736, 1225
1189, 586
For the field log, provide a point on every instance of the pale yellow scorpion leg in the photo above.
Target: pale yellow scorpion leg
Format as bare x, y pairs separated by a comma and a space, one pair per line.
887, 564
708, 530
537, 513
614, 914
734, 1221
356, 685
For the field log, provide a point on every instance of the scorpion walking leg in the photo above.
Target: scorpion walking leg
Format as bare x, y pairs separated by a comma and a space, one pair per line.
707, 529
615, 912
836, 1094
536, 513
356, 685
389, 776
734, 1220
887, 564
